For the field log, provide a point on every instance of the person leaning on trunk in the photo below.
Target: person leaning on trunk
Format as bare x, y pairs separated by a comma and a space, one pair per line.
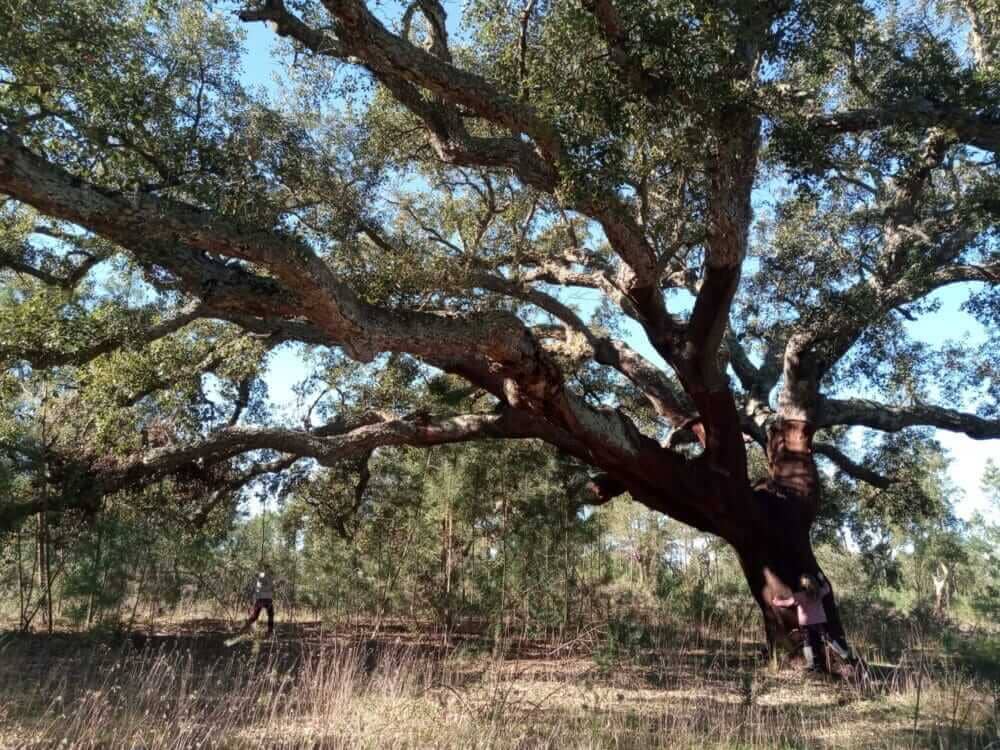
808, 602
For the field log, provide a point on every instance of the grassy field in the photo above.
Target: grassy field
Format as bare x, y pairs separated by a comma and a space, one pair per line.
630, 685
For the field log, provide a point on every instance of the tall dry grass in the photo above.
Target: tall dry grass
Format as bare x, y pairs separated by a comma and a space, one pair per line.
685, 693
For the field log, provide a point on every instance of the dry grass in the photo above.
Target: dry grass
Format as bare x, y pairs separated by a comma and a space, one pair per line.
309, 689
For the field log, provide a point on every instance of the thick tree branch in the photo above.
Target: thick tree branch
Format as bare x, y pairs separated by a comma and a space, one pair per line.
13, 513
286, 24
162, 230
366, 38
642, 373
327, 445
984, 35
731, 173
404, 69
602, 489
501, 341
238, 482
96, 477
758, 382
888, 418
158, 228
979, 130
818, 343
916, 257
987, 272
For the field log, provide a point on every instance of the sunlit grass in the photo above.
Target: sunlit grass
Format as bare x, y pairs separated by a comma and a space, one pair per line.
691, 687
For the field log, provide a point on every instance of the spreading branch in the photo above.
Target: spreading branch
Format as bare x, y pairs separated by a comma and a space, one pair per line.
889, 418
67, 281
850, 467
976, 129
46, 358
406, 70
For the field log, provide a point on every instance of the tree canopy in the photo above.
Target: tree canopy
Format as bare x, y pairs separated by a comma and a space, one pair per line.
673, 240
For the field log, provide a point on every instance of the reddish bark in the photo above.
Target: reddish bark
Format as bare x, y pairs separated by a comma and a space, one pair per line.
768, 525
790, 460
778, 551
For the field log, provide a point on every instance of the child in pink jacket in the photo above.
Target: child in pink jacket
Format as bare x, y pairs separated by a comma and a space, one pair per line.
808, 602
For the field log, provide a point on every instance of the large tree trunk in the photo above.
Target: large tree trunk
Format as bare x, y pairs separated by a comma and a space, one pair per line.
768, 524
775, 550
774, 557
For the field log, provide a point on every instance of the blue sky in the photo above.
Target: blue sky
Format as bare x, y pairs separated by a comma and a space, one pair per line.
949, 323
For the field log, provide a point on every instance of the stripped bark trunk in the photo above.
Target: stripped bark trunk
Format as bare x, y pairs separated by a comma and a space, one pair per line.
780, 551
769, 524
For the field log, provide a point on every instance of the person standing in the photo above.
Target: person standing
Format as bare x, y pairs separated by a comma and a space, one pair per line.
263, 598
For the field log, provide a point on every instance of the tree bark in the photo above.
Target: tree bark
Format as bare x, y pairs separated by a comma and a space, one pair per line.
774, 557
768, 525
44, 569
